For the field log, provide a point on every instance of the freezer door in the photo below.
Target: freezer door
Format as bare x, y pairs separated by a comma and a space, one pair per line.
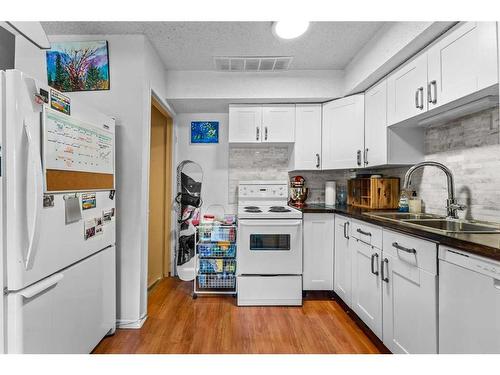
38, 240
68, 312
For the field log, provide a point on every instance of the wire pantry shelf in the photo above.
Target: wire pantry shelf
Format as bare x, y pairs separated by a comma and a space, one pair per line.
217, 250
226, 266
217, 233
217, 281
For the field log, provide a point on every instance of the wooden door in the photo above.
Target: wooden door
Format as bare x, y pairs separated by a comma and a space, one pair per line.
463, 62
376, 125
342, 263
343, 132
366, 285
307, 148
278, 123
245, 123
407, 90
159, 194
318, 252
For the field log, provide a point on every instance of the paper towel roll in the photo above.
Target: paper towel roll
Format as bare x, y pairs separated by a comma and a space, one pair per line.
330, 192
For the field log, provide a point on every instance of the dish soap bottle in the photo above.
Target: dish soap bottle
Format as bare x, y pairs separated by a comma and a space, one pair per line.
404, 200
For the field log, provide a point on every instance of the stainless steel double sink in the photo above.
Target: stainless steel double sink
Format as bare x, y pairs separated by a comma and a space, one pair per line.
437, 223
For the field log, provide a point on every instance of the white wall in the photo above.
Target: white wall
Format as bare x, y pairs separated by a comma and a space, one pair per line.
296, 84
135, 70
213, 158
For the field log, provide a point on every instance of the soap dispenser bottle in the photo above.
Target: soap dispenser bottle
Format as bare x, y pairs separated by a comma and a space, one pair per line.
404, 201
415, 204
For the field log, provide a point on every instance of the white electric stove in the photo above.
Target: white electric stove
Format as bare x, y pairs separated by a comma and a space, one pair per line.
269, 245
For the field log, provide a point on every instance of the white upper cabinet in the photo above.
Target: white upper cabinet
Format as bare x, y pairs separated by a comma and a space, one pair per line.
245, 123
278, 123
343, 132
258, 123
376, 125
307, 149
462, 62
407, 90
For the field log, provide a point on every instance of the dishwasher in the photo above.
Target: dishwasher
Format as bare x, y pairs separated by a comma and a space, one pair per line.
469, 303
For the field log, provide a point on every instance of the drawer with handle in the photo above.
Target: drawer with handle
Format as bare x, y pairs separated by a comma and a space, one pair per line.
368, 233
411, 250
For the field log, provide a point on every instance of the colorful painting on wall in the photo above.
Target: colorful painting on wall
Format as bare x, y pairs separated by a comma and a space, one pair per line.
205, 132
78, 66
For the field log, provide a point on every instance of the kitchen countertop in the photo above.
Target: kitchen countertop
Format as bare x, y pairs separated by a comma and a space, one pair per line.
482, 244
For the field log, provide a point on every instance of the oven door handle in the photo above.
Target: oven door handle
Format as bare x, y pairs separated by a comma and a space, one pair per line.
280, 223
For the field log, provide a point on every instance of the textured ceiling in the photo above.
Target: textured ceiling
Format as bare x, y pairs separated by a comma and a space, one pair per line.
192, 45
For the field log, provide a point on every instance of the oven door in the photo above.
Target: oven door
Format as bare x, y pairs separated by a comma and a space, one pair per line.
270, 247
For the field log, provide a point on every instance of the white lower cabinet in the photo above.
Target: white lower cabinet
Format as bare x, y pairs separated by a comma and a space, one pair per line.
366, 285
342, 272
390, 283
318, 251
409, 289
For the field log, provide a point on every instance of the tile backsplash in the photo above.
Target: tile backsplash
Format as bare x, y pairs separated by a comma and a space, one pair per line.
469, 146
249, 163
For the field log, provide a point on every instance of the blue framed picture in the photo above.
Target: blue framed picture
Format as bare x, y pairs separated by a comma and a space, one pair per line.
205, 132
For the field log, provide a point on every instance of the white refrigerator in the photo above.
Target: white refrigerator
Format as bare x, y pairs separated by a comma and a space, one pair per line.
59, 284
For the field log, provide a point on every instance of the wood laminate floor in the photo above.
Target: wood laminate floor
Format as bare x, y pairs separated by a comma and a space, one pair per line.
214, 324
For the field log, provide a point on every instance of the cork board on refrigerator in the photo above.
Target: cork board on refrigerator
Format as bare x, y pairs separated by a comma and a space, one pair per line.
77, 156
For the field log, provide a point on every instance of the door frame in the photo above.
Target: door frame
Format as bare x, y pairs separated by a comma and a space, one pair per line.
166, 111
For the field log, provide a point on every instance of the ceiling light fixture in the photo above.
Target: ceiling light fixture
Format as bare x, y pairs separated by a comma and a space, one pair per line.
290, 29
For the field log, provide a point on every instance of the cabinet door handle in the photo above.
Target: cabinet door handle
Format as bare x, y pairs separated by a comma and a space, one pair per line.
366, 156
346, 232
374, 255
421, 91
257, 133
402, 248
416, 99
358, 157
317, 161
363, 232
384, 276
265, 133
434, 86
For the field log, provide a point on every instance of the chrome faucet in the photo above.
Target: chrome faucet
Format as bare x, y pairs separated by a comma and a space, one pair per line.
451, 204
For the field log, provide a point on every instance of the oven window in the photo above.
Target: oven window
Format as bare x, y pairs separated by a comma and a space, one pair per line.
273, 242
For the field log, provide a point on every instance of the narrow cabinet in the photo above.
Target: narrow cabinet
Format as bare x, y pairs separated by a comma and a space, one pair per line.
367, 285
318, 251
245, 123
462, 62
307, 149
343, 132
342, 269
375, 151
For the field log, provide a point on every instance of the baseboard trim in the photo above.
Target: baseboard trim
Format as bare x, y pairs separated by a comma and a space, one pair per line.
131, 324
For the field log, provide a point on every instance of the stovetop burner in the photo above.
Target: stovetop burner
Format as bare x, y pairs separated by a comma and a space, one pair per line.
255, 210
279, 209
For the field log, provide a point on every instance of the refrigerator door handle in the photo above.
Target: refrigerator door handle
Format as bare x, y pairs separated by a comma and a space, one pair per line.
34, 171
41, 286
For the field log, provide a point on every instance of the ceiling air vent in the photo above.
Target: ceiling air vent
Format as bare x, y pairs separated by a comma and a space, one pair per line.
252, 63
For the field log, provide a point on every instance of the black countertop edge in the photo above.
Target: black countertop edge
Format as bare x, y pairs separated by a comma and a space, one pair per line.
486, 245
